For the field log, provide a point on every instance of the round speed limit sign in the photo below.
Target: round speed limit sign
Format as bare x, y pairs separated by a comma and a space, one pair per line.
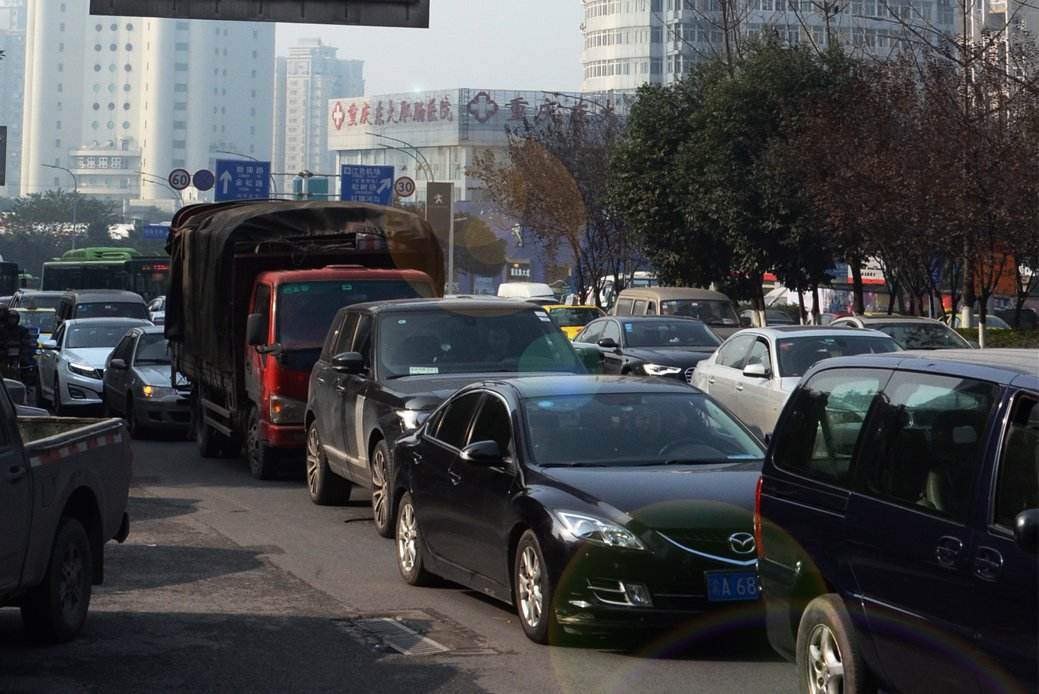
179, 179
404, 187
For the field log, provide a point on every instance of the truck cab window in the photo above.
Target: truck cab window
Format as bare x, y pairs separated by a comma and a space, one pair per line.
262, 303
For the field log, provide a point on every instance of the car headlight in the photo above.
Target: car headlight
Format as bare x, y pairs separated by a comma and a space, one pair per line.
158, 391
598, 530
286, 410
410, 420
661, 370
83, 370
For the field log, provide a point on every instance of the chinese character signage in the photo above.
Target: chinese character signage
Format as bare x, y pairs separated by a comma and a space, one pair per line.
390, 13
242, 180
372, 184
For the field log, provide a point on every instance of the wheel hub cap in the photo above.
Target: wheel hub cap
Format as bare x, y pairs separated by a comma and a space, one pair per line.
407, 539
825, 665
313, 459
379, 489
529, 587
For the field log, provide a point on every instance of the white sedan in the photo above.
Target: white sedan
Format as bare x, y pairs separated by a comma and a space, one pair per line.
755, 370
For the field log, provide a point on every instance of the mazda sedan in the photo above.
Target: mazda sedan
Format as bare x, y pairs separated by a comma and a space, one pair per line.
589, 502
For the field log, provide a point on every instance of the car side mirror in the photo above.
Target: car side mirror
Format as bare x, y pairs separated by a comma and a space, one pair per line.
348, 363
118, 364
256, 330
1026, 530
483, 453
756, 371
49, 344
608, 343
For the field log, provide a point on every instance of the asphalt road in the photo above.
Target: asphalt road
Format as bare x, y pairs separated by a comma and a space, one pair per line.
227, 583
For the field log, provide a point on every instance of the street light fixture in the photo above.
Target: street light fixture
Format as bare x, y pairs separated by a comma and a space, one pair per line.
75, 195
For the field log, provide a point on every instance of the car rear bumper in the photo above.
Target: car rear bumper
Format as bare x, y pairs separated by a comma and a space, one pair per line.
291, 436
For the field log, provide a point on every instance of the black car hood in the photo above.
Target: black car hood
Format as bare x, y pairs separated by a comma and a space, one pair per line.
669, 356
666, 496
438, 387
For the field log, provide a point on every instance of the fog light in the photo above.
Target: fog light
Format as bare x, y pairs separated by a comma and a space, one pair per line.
638, 595
583, 604
77, 394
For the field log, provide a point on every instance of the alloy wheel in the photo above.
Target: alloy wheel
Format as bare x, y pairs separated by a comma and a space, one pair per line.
529, 587
407, 539
313, 459
70, 582
824, 662
379, 506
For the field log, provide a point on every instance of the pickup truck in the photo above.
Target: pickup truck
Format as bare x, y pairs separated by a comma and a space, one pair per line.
64, 485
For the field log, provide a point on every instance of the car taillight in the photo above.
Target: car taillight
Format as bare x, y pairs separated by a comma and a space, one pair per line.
758, 543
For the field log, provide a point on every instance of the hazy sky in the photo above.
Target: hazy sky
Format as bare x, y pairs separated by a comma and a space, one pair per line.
495, 44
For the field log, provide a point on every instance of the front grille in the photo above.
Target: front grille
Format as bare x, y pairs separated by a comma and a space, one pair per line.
689, 375
712, 542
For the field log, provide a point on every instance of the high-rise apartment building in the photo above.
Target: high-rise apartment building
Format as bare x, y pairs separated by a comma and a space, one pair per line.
305, 81
12, 75
121, 101
628, 43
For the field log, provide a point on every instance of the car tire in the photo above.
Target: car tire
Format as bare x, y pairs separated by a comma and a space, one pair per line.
410, 558
533, 590
56, 406
326, 488
263, 460
827, 649
132, 425
381, 498
56, 609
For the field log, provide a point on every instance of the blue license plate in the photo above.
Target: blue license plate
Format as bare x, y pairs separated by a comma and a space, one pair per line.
731, 586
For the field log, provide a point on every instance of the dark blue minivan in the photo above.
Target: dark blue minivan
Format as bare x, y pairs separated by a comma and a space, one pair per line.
897, 522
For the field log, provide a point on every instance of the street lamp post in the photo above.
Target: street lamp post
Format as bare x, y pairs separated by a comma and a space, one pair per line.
418, 152
162, 181
274, 184
75, 195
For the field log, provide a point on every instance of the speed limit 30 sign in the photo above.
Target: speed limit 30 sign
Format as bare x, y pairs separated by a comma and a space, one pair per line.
404, 187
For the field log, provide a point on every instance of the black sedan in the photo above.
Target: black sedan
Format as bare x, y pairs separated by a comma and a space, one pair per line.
588, 502
648, 346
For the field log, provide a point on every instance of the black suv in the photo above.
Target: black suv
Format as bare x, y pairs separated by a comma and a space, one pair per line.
386, 365
897, 523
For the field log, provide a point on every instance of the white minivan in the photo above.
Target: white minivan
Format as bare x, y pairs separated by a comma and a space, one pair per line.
534, 292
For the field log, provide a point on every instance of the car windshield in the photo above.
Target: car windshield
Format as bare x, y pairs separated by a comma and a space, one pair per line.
112, 309
669, 333
624, 429
41, 321
922, 335
83, 336
798, 354
39, 300
152, 349
441, 341
306, 309
575, 316
710, 311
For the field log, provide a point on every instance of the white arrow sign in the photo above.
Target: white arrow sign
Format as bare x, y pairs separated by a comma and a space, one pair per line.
225, 180
385, 185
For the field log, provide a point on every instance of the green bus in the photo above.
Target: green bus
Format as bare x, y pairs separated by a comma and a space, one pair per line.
107, 268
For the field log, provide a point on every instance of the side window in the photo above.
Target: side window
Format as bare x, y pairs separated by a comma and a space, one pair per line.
651, 309
1017, 488
493, 424
639, 308
825, 420
262, 304
925, 441
124, 350
590, 334
612, 330
362, 343
759, 354
623, 307
454, 422
346, 334
332, 337
734, 352
59, 335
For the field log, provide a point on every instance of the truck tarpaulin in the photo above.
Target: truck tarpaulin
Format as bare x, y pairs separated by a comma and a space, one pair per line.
217, 250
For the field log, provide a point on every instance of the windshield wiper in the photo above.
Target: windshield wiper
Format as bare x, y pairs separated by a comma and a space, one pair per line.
578, 464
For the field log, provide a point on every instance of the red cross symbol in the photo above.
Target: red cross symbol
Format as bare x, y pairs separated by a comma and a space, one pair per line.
338, 116
483, 107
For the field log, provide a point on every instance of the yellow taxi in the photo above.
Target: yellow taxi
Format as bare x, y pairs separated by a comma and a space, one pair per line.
571, 319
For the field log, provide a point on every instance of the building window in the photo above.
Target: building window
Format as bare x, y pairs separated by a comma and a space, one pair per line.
181, 67
180, 125
180, 144
179, 106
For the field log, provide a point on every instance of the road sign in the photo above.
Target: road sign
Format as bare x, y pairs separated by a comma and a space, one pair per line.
404, 187
203, 179
179, 179
238, 179
155, 232
393, 13
372, 184
3, 155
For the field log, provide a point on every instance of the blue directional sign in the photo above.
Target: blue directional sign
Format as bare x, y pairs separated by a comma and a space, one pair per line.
372, 184
155, 232
242, 180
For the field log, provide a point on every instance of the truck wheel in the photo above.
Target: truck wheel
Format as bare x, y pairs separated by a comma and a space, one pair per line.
56, 609
326, 487
381, 494
828, 658
263, 461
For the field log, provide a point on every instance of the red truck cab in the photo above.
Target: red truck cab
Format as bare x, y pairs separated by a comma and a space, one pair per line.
289, 315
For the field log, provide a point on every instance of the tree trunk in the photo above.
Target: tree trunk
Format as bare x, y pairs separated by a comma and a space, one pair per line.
983, 313
967, 319
816, 312
801, 305
859, 305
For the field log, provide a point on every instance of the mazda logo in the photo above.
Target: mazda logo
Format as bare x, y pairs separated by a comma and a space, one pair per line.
742, 543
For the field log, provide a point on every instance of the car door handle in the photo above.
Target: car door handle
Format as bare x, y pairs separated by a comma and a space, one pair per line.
988, 564
948, 551
739, 387
341, 387
15, 473
456, 479
710, 381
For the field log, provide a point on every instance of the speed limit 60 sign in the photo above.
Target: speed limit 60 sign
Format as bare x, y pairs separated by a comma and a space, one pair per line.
180, 179
404, 187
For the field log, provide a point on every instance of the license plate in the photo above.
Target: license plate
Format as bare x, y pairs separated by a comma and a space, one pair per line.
731, 586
